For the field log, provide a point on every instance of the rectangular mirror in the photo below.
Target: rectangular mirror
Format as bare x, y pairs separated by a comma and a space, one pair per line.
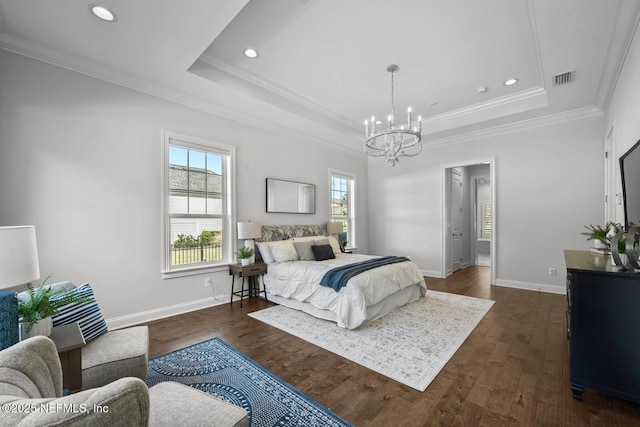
290, 197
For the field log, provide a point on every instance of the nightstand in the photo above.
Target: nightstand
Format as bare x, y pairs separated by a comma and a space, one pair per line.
69, 341
253, 273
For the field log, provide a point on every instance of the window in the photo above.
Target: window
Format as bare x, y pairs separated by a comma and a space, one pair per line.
343, 205
197, 183
486, 220
483, 203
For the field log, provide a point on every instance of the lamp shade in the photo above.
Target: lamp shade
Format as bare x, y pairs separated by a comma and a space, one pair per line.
335, 227
18, 256
249, 230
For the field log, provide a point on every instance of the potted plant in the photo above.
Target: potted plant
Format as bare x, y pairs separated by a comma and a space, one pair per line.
602, 236
36, 311
245, 254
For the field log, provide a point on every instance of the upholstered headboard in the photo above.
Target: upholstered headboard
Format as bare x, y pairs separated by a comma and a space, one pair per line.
272, 233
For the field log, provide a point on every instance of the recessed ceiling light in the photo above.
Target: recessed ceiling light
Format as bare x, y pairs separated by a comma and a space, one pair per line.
482, 89
103, 13
510, 82
378, 122
250, 53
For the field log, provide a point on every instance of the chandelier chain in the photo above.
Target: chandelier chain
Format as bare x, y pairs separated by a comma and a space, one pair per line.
393, 102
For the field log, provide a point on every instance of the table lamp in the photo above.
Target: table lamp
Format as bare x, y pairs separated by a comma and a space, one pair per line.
18, 266
334, 227
250, 230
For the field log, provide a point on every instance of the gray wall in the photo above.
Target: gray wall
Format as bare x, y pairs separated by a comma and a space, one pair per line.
80, 159
549, 184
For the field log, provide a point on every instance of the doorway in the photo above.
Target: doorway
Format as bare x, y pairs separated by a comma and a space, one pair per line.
456, 211
469, 220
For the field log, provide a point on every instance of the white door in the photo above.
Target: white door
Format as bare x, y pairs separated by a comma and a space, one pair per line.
456, 220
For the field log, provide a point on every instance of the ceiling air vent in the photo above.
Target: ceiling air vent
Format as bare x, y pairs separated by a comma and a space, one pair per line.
564, 78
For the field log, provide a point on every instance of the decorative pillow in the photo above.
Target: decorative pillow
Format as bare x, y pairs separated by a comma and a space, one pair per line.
87, 314
304, 251
321, 241
24, 296
265, 251
283, 251
323, 252
334, 244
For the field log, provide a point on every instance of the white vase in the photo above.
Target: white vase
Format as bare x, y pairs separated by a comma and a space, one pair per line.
41, 327
599, 245
623, 258
245, 261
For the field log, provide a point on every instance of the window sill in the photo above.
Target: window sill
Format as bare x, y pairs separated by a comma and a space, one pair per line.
193, 271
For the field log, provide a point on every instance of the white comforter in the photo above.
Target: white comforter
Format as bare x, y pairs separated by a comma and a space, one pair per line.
299, 280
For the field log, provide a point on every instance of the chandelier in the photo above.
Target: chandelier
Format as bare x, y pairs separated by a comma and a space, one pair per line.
395, 140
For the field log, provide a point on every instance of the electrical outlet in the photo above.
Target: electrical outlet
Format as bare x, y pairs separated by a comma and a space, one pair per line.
207, 282
552, 271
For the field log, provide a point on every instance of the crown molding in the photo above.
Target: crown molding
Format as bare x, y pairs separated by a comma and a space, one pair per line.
519, 126
619, 45
521, 101
246, 78
500, 107
2, 23
533, 23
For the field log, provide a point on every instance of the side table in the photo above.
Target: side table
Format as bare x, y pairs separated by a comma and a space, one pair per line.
69, 341
253, 272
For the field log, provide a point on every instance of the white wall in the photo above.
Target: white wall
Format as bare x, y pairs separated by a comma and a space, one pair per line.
80, 159
623, 116
549, 184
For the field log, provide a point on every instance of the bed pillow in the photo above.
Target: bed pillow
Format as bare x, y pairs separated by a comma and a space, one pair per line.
323, 252
283, 251
321, 241
334, 244
265, 252
87, 314
305, 253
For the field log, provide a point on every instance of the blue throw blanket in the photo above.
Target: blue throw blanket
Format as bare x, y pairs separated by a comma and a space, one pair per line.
338, 277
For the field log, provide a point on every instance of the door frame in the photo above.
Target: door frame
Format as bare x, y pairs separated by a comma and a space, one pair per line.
491, 161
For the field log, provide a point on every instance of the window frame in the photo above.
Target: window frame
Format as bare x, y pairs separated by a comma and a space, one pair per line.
351, 205
228, 220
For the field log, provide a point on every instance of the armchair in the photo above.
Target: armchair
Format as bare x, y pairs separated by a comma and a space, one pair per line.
31, 394
113, 354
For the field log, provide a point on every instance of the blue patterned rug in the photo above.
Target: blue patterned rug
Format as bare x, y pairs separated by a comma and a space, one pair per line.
215, 367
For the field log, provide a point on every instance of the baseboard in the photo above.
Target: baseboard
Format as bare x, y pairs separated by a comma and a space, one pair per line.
160, 313
431, 273
532, 286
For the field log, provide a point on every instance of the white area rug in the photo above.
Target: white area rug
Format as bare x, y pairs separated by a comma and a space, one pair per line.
410, 345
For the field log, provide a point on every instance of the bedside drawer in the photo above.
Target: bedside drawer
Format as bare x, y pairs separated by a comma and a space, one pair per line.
248, 270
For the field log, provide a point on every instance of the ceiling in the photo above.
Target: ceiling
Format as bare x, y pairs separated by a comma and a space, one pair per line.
321, 68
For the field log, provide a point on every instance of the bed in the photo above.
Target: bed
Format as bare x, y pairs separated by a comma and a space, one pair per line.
294, 275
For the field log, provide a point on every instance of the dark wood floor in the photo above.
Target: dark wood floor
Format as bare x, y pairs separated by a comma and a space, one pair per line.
512, 370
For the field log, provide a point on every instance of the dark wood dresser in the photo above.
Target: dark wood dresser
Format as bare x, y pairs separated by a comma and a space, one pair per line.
603, 326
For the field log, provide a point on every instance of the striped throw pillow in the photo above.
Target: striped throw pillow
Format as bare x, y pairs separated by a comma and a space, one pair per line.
87, 314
